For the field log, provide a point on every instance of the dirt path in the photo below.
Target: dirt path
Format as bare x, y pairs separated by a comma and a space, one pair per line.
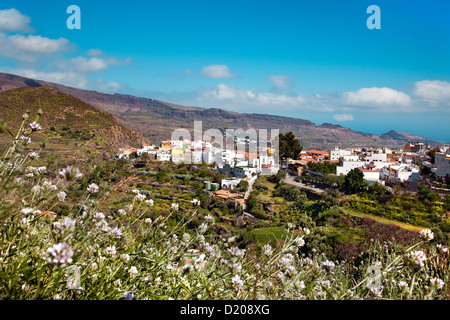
382, 220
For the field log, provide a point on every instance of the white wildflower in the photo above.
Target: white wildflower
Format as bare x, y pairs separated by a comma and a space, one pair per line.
59, 255
25, 140
35, 126
426, 234
139, 197
125, 257
437, 283
235, 251
237, 282
110, 251
33, 155
102, 225
415, 259
116, 233
133, 271
237, 267
27, 211
186, 237
93, 188
377, 291
70, 173
99, 216
299, 241
202, 228
24, 222
290, 271
65, 227
61, 196
328, 265
285, 261
441, 249
267, 250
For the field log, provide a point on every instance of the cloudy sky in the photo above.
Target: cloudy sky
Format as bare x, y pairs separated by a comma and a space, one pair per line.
315, 60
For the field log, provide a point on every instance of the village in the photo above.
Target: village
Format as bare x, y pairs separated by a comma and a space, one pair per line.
403, 167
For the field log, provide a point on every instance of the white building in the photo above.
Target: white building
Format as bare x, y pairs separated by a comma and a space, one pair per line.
442, 164
376, 157
163, 155
244, 171
371, 176
269, 169
176, 144
400, 173
230, 184
348, 163
196, 156
337, 153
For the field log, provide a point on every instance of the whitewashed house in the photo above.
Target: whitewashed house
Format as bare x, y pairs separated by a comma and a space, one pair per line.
371, 176
442, 164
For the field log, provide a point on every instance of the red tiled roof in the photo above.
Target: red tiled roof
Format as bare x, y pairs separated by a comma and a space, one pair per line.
410, 155
221, 191
317, 151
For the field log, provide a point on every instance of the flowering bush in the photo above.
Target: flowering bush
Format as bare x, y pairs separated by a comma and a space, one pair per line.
123, 254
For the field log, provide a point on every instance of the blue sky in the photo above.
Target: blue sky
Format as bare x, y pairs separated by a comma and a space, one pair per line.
315, 60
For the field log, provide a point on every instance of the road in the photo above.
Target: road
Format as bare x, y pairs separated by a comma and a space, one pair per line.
290, 180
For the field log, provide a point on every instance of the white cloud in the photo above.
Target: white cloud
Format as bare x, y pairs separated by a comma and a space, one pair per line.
280, 81
83, 65
105, 86
38, 44
28, 48
217, 71
67, 78
343, 117
89, 65
223, 92
94, 53
434, 91
13, 20
237, 98
381, 97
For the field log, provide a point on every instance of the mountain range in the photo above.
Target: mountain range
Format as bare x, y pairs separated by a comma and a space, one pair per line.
155, 120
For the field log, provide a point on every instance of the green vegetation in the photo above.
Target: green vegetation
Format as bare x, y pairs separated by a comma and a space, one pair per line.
118, 231
323, 166
354, 181
289, 147
69, 127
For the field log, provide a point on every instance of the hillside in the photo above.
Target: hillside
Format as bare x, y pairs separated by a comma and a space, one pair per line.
156, 119
407, 136
70, 126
